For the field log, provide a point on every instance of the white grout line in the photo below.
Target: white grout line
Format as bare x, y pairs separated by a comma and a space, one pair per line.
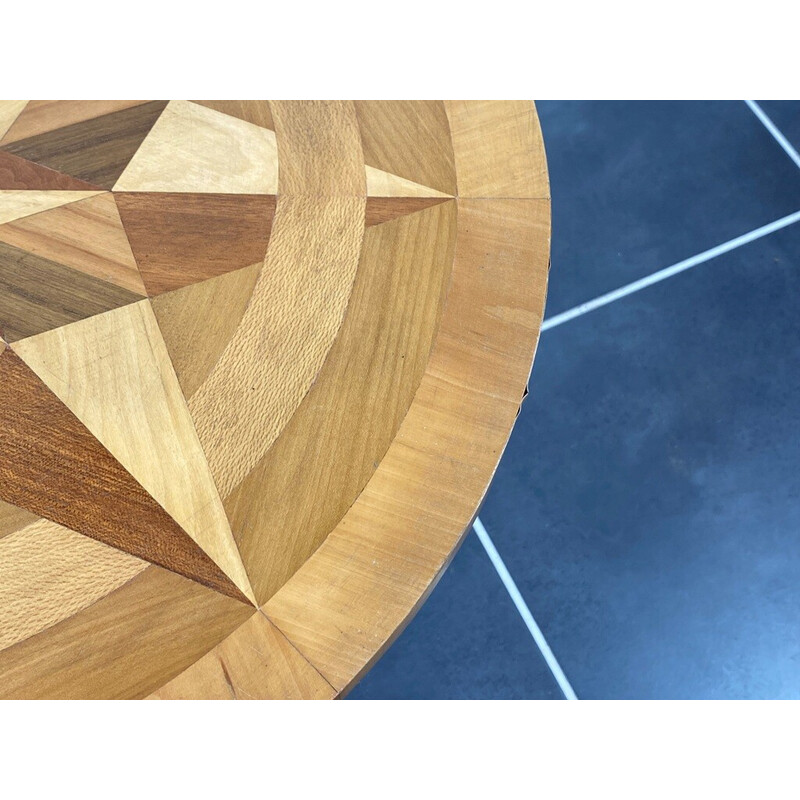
591, 305
668, 272
773, 129
523, 609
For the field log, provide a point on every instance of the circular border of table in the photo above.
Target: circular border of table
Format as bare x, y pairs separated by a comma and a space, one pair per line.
330, 622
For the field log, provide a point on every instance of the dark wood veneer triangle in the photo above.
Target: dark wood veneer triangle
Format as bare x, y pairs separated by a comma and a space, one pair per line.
96, 150
37, 294
52, 465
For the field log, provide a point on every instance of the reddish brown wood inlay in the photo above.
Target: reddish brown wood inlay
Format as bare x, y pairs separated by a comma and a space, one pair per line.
42, 444
385, 209
19, 173
178, 239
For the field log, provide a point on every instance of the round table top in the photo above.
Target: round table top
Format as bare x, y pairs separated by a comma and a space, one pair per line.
259, 361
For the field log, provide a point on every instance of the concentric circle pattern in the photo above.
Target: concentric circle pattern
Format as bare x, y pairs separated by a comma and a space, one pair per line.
258, 363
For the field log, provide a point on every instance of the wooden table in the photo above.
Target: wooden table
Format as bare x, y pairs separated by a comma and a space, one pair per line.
258, 364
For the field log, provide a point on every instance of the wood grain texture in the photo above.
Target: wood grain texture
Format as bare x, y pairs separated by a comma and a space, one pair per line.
42, 443
498, 148
385, 209
357, 591
196, 149
286, 331
385, 184
320, 367
256, 662
409, 138
300, 297
96, 150
13, 518
307, 480
125, 645
179, 239
37, 294
18, 203
319, 148
9, 111
19, 173
87, 236
255, 111
198, 321
113, 372
49, 573
42, 116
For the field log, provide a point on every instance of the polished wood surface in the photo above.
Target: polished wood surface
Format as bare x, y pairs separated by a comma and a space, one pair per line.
258, 363
181, 238
95, 150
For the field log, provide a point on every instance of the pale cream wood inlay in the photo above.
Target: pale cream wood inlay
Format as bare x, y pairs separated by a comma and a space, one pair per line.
9, 111
192, 148
17, 203
49, 573
114, 373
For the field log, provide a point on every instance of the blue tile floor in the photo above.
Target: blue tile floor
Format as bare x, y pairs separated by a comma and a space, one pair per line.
648, 504
783, 114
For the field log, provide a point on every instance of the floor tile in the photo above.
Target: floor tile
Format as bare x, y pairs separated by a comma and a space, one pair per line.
467, 642
648, 505
638, 186
785, 114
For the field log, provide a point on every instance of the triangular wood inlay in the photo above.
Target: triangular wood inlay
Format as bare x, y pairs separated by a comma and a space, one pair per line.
14, 518
197, 149
51, 464
114, 373
9, 111
179, 239
37, 294
256, 111
41, 116
19, 203
19, 173
408, 138
385, 209
95, 150
87, 236
198, 321
387, 184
